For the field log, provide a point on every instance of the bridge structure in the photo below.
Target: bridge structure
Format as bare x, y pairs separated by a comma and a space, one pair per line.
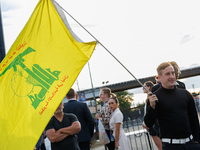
93, 93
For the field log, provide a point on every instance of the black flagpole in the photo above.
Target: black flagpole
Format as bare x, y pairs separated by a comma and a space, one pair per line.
2, 46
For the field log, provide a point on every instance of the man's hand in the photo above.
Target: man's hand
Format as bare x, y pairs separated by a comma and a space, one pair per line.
144, 127
152, 99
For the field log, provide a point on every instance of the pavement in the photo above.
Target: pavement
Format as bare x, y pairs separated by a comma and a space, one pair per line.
138, 141
98, 148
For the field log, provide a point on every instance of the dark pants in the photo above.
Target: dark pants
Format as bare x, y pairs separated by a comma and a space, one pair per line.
111, 145
43, 146
84, 145
188, 146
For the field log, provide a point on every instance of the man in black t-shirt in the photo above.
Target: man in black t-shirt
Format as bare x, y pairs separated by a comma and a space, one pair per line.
175, 110
61, 130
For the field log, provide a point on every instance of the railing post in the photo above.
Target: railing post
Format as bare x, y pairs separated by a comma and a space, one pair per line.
150, 146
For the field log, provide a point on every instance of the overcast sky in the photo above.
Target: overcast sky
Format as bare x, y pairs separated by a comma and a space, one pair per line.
141, 34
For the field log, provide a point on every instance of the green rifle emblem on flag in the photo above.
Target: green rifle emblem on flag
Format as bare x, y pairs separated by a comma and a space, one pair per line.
40, 77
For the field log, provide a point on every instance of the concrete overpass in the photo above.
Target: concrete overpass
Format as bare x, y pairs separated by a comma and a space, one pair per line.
134, 84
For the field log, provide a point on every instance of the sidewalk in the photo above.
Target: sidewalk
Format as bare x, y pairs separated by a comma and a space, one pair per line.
139, 140
98, 148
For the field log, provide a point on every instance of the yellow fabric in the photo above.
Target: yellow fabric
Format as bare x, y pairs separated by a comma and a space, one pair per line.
38, 71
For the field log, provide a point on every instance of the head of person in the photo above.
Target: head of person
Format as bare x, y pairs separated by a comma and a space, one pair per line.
176, 69
77, 97
148, 85
105, 94
60, 108
157, 80
71, 94
113, 103
166, 75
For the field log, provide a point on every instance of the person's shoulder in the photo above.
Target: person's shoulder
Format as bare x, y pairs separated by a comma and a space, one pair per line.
70, 102
118, 111
52, 118
69, 115
157, 90
81, 104
155, 87
181, 84
106, 104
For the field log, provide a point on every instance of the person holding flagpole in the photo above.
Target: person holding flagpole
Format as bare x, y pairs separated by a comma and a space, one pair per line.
175, 110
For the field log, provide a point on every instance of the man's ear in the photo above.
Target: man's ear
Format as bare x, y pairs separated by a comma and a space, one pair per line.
106, 94
159, 78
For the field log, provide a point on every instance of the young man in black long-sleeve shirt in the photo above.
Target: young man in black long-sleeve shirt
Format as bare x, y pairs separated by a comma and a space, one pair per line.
175, 110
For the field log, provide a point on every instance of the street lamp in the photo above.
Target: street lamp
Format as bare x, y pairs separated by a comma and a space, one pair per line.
92, 87
77, 84
105, 82
193, 87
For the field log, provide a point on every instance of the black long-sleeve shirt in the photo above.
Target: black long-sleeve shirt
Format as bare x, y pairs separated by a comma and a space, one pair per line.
176, 113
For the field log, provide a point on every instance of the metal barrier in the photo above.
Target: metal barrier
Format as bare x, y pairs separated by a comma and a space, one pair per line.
138, 136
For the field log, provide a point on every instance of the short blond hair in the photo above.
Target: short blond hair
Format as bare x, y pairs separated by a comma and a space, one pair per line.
174, 64
106, 91
162, 66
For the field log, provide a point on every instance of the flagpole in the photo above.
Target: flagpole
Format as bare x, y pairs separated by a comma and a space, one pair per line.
105, 49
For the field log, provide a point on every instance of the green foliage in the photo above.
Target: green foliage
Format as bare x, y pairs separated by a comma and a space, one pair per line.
141, 106
99, 102
125, 98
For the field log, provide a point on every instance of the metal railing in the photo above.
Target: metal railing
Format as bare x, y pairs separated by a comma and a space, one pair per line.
138, 136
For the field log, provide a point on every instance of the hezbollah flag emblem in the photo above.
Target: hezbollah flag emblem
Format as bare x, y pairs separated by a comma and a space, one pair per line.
37, 72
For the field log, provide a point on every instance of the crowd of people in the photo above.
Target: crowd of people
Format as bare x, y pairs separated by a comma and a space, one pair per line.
170, 117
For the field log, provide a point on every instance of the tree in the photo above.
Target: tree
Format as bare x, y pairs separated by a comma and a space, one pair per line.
99, 102
125, 98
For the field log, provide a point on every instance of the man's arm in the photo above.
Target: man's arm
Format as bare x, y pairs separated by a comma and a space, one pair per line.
107, 112
150, 116
59, 135
193, 118
55, 136
71, 130
117, 132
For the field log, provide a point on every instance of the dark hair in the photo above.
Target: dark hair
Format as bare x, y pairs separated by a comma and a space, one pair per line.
149, 84
115, 98
71, 94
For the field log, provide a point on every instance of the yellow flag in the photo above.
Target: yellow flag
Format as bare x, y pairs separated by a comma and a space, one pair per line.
37, 72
